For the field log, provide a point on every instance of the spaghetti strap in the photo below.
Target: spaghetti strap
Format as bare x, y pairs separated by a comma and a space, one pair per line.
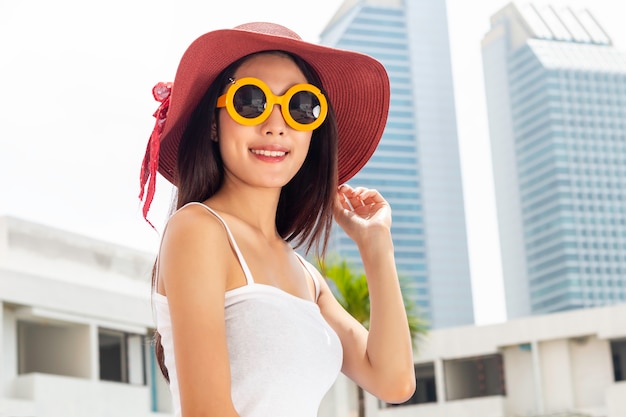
233, 243
312, 273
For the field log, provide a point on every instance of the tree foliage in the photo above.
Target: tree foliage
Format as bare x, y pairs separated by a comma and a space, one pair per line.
350, 288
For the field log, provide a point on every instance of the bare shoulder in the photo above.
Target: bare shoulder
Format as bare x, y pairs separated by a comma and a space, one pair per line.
194, 243
194, 228
194, 219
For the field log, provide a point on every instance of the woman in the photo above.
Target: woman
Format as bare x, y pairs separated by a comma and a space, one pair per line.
256, 132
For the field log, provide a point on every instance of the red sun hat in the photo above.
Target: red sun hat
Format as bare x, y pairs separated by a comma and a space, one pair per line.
356, 85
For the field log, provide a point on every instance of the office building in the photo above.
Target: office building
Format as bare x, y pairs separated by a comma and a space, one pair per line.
556, 97
416, 166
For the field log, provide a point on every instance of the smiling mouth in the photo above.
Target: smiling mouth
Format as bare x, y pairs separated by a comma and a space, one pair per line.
272, 154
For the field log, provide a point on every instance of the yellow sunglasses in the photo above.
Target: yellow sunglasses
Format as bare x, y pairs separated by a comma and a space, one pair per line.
249, 101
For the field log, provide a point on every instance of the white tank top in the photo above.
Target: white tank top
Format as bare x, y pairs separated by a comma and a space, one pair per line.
283, 355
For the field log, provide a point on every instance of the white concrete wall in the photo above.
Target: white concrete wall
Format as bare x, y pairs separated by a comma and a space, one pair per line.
63, 287
556, 375
592, 371
9, 351
519, 379
87, 398
572, 370
14, 407
135, 360
616, 400
475, 407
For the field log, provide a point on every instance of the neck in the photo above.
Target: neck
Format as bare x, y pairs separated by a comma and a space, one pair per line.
254, 206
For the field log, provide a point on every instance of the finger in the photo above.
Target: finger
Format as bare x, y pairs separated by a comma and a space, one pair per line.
351, 195
345, 188
342, 202
355, 201
359, 191
372, 196
367, 197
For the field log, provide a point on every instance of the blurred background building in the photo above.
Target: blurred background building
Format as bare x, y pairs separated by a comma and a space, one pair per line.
76, 328
556, 96
416, 166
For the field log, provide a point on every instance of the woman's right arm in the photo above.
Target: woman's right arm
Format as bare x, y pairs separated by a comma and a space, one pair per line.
193, 268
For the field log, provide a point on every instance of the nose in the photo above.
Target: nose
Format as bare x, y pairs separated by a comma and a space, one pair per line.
275, 124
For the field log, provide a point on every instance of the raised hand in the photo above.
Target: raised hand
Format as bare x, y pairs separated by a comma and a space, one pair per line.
361, 212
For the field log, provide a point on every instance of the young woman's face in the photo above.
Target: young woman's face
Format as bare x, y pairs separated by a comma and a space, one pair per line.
269, 154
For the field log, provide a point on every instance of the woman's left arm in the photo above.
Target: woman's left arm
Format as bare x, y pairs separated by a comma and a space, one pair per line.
381, 360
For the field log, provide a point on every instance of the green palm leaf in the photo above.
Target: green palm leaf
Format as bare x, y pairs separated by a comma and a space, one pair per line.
349, 286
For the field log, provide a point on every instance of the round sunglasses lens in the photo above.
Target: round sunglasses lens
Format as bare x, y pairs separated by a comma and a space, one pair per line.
249, 101
304, 107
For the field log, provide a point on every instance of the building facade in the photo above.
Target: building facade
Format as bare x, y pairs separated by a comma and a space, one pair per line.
76, 325
416, 166
556, 98
568, 364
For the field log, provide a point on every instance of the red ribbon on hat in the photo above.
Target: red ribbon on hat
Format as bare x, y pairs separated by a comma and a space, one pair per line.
150, 165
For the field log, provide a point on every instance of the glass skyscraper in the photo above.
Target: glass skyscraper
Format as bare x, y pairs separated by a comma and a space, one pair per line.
556, 96
416, 166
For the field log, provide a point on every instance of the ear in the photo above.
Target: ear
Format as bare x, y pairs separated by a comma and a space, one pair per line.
214, 135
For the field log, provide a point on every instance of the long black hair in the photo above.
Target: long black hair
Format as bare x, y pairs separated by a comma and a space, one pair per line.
305, 208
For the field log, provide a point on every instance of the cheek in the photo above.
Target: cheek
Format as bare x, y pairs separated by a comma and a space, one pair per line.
305, 139
230, 134
226, 123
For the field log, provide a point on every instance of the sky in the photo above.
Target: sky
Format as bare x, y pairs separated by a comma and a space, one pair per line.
76, 110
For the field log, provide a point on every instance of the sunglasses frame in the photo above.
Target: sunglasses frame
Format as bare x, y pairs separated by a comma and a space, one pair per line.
227, 100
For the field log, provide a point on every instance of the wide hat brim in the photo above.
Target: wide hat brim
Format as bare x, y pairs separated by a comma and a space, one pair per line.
356, 85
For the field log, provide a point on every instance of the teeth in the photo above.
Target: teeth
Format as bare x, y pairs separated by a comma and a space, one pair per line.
272, 154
